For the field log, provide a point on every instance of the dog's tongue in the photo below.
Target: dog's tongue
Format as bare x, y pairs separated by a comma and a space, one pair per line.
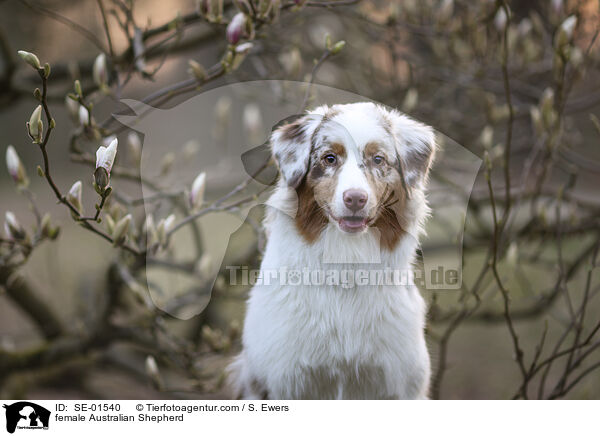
353, 224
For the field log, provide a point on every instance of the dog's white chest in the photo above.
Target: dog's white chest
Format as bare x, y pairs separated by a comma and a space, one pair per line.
327, 342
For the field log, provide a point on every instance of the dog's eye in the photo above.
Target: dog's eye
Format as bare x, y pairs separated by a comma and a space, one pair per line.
378, 160
330, 159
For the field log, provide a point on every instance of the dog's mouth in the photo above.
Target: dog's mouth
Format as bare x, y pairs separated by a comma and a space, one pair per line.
353, 224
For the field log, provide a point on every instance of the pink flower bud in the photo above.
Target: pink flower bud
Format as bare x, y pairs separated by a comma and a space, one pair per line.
235, 29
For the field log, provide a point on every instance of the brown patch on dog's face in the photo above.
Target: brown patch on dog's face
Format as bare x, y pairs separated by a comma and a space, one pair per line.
317, 189
387, 185
310, 218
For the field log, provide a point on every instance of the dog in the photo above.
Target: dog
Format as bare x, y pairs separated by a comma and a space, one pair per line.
351, 195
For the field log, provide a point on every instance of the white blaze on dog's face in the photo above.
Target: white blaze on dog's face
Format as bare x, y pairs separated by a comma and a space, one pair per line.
356, 165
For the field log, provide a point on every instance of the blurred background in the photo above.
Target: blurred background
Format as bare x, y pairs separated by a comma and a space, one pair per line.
84, 312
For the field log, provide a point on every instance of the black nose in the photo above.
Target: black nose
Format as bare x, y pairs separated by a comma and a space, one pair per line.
355, 199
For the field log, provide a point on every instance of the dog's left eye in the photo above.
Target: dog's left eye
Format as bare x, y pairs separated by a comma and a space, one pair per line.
378, 160
330, 159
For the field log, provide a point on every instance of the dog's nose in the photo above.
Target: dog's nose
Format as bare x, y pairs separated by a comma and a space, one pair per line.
355, 199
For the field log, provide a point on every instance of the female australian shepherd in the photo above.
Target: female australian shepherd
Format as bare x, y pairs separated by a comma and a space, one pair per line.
351, 198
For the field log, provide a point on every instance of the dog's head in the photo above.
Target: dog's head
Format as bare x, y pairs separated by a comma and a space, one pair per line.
356, 165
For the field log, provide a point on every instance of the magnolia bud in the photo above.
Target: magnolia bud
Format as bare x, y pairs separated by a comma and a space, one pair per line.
100, 71
150, 231
196, 70
77, 87
240, 54
512, 254
167, 163
105, 156
197, 192
222, 116
121, 229
12, 227
235, 28
500, 20
525, 26
36, 125
15, 167
487, 136
110, 223
253, 123
134, 146
164, 227
547, 107
338, 47
30, 58
536, 119
74, 196
410, 100
205, 265
557, 6
72, 108
101, 179
153, 372
565, 31
46, 225
291, 61
84, 116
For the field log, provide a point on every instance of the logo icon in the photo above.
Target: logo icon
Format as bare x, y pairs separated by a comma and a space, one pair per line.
26, 415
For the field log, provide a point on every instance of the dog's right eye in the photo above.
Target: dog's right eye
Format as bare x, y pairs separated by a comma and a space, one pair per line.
330, 159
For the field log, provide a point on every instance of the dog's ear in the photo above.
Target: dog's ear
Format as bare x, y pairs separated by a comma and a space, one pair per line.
291, 145
416, 146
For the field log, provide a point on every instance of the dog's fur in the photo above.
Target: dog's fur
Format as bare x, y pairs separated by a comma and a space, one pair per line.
331, 342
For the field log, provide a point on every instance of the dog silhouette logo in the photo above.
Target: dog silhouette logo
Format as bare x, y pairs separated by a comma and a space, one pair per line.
26, 415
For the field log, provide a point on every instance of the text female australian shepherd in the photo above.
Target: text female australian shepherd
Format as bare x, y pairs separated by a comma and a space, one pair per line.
351, 198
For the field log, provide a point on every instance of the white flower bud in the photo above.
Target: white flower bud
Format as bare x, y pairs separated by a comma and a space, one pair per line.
72, 108
197, 192
30, 58
121, 229
410, 100
84, 116
105, 156
134, 146
525, 26
36, 125
74, 196
100, 71
150, 231
487, 136
164, 227
253, 123
15, 167
46, 225
291, 61
500, 20
512, 254
197, 70
565, 31
12, 227
536, 119
153, 372
557, 6
244, 48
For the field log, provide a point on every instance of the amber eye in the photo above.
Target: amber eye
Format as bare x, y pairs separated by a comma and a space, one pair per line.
378, 160
330, 159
